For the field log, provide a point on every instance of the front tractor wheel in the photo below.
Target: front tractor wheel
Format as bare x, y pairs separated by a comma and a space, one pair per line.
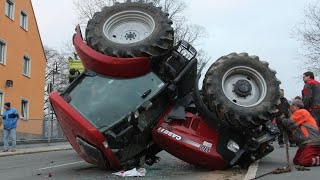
241, 90
131, 29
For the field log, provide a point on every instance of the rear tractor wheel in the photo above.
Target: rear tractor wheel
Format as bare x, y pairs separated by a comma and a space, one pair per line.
130, 29
242, 90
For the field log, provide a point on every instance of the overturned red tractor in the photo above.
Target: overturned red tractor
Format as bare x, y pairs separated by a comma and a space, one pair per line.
139, 95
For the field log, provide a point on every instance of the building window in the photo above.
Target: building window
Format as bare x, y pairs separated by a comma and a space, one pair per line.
24, 109
1, 102
26, 66
24, 20
9, 8
3, 49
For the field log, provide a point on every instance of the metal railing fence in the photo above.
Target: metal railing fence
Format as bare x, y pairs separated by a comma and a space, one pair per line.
50, 131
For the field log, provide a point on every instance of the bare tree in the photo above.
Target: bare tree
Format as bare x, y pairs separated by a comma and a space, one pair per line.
308, 34
203, 58
56, 72
86, 9
191, 33
69, 51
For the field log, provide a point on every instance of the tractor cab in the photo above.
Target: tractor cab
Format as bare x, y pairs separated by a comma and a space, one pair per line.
124, 110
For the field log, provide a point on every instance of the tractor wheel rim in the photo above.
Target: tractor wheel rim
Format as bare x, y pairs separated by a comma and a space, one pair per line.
128, 27
244, 86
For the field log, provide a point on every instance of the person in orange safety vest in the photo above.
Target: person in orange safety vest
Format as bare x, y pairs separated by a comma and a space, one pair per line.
304, 131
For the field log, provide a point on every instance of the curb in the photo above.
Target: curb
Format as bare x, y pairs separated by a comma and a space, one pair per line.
36, 150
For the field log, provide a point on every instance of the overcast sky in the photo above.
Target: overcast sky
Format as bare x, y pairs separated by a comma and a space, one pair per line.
259, 27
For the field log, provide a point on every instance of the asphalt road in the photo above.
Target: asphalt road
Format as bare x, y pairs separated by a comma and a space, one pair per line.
277, 159
68, 165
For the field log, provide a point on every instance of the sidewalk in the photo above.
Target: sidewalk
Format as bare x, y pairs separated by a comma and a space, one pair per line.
36, 148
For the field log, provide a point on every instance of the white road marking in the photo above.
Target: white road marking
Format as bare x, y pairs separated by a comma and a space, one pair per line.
252, 171
61, 165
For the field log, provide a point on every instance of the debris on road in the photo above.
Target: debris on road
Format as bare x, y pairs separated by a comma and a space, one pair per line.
132, 173
302, 168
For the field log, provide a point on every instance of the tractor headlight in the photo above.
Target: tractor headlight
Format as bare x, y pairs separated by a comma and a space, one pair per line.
233, 146
136, 114
105, 144
129, 118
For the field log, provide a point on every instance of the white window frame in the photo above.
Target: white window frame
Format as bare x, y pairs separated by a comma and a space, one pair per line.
1, 101
25, 57
24, 20
3, 56
24, 114
11, 5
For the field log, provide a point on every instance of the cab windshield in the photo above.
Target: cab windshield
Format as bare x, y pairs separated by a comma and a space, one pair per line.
105, 100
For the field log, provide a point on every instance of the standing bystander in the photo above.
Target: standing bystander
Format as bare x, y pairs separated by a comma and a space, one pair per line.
311, 95
10, 117
305, 133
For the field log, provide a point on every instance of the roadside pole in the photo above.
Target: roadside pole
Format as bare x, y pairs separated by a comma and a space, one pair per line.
50, 129
49, 120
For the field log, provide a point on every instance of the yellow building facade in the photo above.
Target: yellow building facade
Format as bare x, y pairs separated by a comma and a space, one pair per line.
22, 64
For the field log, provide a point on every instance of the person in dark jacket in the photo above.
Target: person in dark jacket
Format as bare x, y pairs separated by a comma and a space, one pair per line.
305, 133
311, 95
283, 110
10, 117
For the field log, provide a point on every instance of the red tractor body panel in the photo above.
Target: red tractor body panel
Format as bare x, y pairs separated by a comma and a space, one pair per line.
74, 125
190, 140
107, 65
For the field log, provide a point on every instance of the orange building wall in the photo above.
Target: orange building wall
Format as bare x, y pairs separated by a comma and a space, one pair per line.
19, 43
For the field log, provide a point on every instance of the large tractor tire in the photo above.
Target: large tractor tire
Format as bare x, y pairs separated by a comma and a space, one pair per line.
130, 29
241, 90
